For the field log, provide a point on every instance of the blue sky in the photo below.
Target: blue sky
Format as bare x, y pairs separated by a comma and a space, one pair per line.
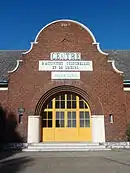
20, 21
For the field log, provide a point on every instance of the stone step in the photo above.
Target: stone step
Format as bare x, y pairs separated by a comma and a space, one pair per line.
62, 147
63, 144
66, 147
119, 147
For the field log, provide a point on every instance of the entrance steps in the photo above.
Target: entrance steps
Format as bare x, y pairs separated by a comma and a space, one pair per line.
66, 147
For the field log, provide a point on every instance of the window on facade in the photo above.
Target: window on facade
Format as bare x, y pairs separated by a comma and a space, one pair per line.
47, 119
59, 119
49, 104
60, 102
71, 119
84, 119
71, 101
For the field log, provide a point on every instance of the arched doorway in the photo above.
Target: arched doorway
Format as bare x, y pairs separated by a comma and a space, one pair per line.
66, 117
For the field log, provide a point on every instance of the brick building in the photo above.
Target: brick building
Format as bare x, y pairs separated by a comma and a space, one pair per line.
65, 88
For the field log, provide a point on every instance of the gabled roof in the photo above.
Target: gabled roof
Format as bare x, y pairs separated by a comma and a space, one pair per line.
8, 61
122, 61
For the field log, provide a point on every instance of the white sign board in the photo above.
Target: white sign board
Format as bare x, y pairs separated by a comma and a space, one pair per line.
65, 65
65, 75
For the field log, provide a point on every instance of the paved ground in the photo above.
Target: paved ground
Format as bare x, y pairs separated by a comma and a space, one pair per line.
66, 162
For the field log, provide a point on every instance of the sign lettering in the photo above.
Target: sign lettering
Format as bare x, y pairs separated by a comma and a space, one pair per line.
65, 65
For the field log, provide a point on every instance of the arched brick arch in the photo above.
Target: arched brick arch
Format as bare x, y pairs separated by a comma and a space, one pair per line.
94, 102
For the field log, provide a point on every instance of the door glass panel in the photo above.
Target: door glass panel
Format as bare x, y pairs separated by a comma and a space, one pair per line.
82, 115
81, 104
62, 123
44, 115
49, 123
87, 123
74, 115
57, 97
49, 115
81, 123
59, 119
50, 104
68, 96
73, 97
57, 123
62, 104
57, 115
73, 104
86, 115
57, 104
44, 123
69, 123
68, 104
71, 119
63, 97
69, 115
61, 115
73, 123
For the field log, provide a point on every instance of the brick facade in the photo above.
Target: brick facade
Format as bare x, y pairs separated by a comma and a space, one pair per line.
127, 96
4, 98
103, 86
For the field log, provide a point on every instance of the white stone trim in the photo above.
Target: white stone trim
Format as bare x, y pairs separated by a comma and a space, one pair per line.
99, 49
114, 67
98, 128
126, 89
34, 129
32, 43
97, 116
4, 89
34, 116
17, 65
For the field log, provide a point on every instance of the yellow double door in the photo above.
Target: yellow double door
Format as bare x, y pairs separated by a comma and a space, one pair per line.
64, 125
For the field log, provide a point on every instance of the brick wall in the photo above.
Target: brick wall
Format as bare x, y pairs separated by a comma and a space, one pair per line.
4, 98
127, 95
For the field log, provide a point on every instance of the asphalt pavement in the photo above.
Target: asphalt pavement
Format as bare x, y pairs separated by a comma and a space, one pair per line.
117, 161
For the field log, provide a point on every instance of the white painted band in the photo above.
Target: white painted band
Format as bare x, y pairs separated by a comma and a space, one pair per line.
127, 89
4, 89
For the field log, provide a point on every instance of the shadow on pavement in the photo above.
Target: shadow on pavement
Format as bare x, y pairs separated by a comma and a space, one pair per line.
15, 165
9, 137
6, 154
